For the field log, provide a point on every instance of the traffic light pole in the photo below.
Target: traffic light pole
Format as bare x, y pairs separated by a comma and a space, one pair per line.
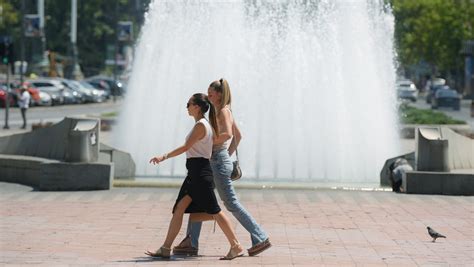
7, 98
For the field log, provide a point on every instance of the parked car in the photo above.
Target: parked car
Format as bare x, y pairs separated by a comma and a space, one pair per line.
15, 88
87, 92
54, 88
406, 89
3, 97
71, 96
79, 96
436, 84
446, 97
102, 86
92, 94
45, 99
115, 87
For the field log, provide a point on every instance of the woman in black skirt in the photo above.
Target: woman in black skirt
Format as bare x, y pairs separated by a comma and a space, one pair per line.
196, 195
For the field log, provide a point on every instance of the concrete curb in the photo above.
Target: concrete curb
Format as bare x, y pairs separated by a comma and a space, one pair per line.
176, 183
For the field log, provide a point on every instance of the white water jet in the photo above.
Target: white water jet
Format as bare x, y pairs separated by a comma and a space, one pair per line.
312, 85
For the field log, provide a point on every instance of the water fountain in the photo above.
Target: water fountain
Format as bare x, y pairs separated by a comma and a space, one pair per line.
312, 83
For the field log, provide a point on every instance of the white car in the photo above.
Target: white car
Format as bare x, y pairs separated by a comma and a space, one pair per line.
45, 99
406, 89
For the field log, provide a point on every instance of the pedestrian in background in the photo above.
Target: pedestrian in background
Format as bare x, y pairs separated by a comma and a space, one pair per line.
24, 103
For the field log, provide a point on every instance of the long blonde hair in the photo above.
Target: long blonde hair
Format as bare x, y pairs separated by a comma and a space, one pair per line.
222, 86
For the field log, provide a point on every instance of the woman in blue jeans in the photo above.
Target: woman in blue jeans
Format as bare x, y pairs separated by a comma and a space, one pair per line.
224, 146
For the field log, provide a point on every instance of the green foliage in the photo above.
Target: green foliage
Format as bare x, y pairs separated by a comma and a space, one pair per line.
433, 31
9, 18
95, 26
411, 115
109, 114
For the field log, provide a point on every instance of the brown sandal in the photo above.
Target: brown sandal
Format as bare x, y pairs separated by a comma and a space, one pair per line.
259, 248
162, 252
183, 249
234, 252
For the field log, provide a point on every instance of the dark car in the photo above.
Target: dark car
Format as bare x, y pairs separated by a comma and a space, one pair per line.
431, 93
115, 87
78, 97
446, 97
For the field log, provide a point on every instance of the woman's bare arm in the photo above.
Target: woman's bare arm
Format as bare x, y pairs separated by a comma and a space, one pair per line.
198, 132
236, 140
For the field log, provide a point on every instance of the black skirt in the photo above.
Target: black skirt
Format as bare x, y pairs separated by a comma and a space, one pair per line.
199, 185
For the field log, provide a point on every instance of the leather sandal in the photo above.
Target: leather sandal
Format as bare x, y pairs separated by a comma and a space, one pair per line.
234, 252
162, 252
185, 248
259, 248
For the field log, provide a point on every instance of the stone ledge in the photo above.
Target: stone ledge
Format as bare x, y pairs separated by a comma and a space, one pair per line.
460, 182
46, 174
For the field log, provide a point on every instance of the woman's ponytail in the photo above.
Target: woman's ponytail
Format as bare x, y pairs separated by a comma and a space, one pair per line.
222, 86
213, 117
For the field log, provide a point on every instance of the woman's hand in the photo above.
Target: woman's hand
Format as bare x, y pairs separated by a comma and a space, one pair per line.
157, 159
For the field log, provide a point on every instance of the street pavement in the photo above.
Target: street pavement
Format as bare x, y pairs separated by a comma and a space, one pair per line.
306, 227
54, 114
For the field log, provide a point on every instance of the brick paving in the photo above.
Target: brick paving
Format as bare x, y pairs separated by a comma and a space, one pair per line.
306, 227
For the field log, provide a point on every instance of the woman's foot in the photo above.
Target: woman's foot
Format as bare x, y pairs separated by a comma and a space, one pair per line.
235, 251
259, 248
185, 248
162, 252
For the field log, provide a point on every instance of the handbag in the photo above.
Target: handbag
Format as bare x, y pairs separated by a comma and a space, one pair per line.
236, 171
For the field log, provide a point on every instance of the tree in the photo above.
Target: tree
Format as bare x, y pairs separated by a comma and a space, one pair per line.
96, 26
433, 31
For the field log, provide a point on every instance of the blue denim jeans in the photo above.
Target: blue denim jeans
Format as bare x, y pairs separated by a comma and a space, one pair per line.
221, 165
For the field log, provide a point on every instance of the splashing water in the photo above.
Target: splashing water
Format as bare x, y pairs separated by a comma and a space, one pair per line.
312, 85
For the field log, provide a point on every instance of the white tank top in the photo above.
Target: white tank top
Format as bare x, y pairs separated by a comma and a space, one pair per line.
202, 148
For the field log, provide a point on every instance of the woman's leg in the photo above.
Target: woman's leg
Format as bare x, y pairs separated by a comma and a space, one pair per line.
193, 231
236, 249
222, 168
176, 220
226, 227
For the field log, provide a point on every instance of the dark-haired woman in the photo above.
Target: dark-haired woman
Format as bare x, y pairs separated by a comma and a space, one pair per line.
224, 146
196, 195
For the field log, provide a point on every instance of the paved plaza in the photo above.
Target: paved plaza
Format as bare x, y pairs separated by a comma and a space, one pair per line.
306, 227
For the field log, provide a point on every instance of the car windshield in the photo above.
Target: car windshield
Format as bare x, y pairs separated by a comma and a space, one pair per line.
437, 87
446, 93
50, 89
87, 85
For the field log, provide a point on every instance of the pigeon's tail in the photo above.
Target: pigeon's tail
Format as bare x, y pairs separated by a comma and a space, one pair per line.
441, 236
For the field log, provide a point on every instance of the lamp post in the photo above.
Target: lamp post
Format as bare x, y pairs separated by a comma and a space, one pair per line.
43, 35
74, 37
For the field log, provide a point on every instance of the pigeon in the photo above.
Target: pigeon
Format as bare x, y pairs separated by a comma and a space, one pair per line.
434, 234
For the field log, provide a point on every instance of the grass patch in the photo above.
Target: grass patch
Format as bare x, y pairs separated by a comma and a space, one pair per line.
411, 115
109, 114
